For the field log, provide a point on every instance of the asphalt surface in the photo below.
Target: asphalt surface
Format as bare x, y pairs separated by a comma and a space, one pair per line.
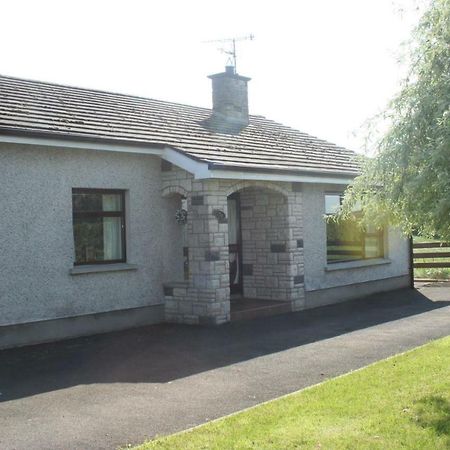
110, 390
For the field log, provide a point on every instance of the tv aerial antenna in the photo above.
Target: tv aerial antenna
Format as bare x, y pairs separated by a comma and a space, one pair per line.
229, 47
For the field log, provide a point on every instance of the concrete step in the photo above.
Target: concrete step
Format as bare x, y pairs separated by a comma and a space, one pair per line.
251, 309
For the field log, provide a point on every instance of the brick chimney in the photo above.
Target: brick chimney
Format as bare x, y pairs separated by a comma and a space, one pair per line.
230, 98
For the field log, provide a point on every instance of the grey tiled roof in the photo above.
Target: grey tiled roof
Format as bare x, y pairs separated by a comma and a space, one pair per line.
37, 107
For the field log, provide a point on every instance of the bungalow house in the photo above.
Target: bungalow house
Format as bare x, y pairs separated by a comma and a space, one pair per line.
119, 211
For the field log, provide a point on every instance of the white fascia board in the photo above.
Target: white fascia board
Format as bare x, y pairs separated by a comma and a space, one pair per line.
51, 142
274, 176
199, 169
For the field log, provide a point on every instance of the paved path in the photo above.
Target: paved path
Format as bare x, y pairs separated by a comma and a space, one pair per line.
110, 390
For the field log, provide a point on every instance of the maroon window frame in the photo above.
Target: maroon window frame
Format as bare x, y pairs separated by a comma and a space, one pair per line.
77, 215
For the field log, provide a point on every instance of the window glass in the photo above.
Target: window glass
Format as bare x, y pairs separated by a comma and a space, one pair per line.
111, 202
85, 201
332, 203
98, 226
346, 240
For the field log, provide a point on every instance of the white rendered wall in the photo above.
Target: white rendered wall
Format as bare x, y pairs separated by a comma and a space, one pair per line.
36, 237
315, 253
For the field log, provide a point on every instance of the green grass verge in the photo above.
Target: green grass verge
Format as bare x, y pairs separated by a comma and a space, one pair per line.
399, 403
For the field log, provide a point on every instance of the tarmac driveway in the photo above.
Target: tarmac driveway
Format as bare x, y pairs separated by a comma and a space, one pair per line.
109, 390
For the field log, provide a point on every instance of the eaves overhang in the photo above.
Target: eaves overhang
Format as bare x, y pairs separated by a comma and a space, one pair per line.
201, 169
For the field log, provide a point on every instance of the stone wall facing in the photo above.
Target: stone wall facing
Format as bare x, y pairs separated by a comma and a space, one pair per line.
272, 257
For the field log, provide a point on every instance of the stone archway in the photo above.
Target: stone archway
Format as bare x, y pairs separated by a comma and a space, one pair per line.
272, 266
266, 254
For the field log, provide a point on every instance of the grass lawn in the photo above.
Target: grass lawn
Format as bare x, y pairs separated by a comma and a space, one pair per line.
401, 402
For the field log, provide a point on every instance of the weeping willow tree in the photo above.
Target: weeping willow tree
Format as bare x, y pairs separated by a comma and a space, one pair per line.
407, 183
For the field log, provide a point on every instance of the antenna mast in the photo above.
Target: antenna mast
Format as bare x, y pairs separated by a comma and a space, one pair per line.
231, 50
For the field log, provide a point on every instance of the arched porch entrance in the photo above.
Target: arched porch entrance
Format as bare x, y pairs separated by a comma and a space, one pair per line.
263, 253
244, 247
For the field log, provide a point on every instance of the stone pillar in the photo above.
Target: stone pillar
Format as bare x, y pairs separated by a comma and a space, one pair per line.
205, 298
294, 246
208, 247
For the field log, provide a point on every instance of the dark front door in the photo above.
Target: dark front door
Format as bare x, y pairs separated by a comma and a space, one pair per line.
235, 244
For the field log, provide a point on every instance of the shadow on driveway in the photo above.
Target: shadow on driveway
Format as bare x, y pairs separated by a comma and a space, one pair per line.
162, 353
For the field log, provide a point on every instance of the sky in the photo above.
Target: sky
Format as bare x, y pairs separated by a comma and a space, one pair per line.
321, 66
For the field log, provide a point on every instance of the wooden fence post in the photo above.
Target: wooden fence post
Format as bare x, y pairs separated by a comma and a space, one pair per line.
411, 262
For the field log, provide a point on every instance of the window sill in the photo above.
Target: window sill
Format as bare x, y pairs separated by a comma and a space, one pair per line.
101, 268
357, 264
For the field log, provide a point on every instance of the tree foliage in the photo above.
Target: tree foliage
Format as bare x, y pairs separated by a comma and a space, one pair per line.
407, 184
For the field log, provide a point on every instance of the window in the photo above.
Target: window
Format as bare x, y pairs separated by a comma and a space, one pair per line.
98, 226
346, 240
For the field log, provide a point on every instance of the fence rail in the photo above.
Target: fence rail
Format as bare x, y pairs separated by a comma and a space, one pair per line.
433, 255
431, 244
